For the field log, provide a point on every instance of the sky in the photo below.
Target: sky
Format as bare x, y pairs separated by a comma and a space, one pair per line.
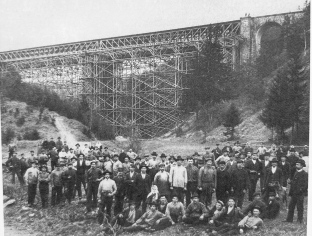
33, 23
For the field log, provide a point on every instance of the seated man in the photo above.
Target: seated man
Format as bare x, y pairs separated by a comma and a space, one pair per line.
128, 217
148, 221
196, 212
273, 207
228, 219
162, 204
256, 202
215, 213
253, 222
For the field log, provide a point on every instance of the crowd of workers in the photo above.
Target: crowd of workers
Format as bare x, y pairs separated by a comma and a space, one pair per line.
152, 192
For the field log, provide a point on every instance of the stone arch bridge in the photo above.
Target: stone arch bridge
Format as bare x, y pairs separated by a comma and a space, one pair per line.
135, 82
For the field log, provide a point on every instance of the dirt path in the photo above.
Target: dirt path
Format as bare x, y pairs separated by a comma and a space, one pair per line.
11, 231
64, 131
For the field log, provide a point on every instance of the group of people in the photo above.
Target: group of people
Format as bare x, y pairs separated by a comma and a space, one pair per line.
160, 191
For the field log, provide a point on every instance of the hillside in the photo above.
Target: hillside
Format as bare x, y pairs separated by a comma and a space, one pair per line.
22, 118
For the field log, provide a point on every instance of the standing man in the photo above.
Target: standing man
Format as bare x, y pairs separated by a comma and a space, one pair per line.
14, 165
261, 151
143, 185
31, 179
265, 164
80, 175
126, 165
231, 165
208, 155
59, 144
178, 179
161, 180
192, 179
152, 165
122, 156
44, 179
285, 167
297, 192
77, 151
69, 179
132, 155
223, 186
116, 164
94, 176
52, 144
31, 158
130, 186
106, 191
253, 167
273, 180
57, 185
248, 148
120, 180
217, 151
53, 155
207, 182
240, 183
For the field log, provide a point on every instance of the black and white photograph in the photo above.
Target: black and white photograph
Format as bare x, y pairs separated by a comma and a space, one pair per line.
155, 117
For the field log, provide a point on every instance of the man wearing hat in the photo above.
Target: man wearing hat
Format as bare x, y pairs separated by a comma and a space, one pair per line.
77, 150
253, 222
273, 180
257, 201
128, 217
298, 190
130, 186
52, 144
53, 156
223, 182
137, 164
239, 183
161, 180
106, 191
196, 212
192, 179
273, 207
94, 176
172, 162
217, 151
253, 168
207, 182
59, 144
178, 179
44, 179
292, 158
152, 165
14, 165
31, 180
116, 164
163, 158
120, 180
208, 154
69, 180
143, 184
285, 167
80, 175
57, 185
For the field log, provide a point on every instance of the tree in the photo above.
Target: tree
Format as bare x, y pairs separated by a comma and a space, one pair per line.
231, 118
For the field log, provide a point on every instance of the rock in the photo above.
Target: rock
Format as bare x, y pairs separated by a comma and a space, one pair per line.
25, 208
31, 215
121, 139
8, 203
5, 198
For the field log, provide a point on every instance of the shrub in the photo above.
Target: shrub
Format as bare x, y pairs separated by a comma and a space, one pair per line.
16, 113
7, 136
20, 121
179, 132
32, 135
30, 109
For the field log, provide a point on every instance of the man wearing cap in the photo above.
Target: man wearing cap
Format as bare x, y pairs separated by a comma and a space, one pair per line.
31, 179
130, 186
143, 185
106, 190
196, 212
94, 176
59, 144
152, 165
257, 201
298, 190
161, 180
273, 180
253, 168
128, 217
44, 179
207, 182
178, 179
132, 155
116, 164
80, 175
120, 180
148, 221
253, 222
223, 186
52, 144
273, 207
57, 185
217, 151
192, 179
69, 180
208, 155
239, 183
14, 165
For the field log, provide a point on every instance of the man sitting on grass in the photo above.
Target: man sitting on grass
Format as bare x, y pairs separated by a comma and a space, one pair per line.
273, 207
196, 212
128, 217
253, 222
256, 202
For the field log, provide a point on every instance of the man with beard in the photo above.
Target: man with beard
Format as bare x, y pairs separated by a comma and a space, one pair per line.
80, 175
143, 185
240, 183
69, 178
192, 179
94, 176
120, 180
207, 182
297, 192
161, 180
223, 182
130, 187
254, 169
265, 164
106, 191
137, 164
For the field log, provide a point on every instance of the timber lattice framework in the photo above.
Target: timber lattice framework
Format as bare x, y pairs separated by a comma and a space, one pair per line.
133, 82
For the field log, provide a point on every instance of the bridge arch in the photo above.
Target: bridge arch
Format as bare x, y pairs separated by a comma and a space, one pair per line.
270, 33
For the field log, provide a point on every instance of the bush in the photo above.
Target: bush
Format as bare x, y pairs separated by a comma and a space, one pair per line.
31, 135
16, 113
7, 136
30, 109
20, 121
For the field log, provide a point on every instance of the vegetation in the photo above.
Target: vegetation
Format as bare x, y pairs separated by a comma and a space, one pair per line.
7, 135
31, 135
231, 118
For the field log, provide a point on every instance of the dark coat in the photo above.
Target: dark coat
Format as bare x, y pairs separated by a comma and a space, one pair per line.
276, 177
230, 168
286, 172
272, 209
14, 163
81, 169
223, 181
258, 203
299, 184
138, 214
264, 168
240, 180
232, 218
143, 185
120, 181
250, 167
